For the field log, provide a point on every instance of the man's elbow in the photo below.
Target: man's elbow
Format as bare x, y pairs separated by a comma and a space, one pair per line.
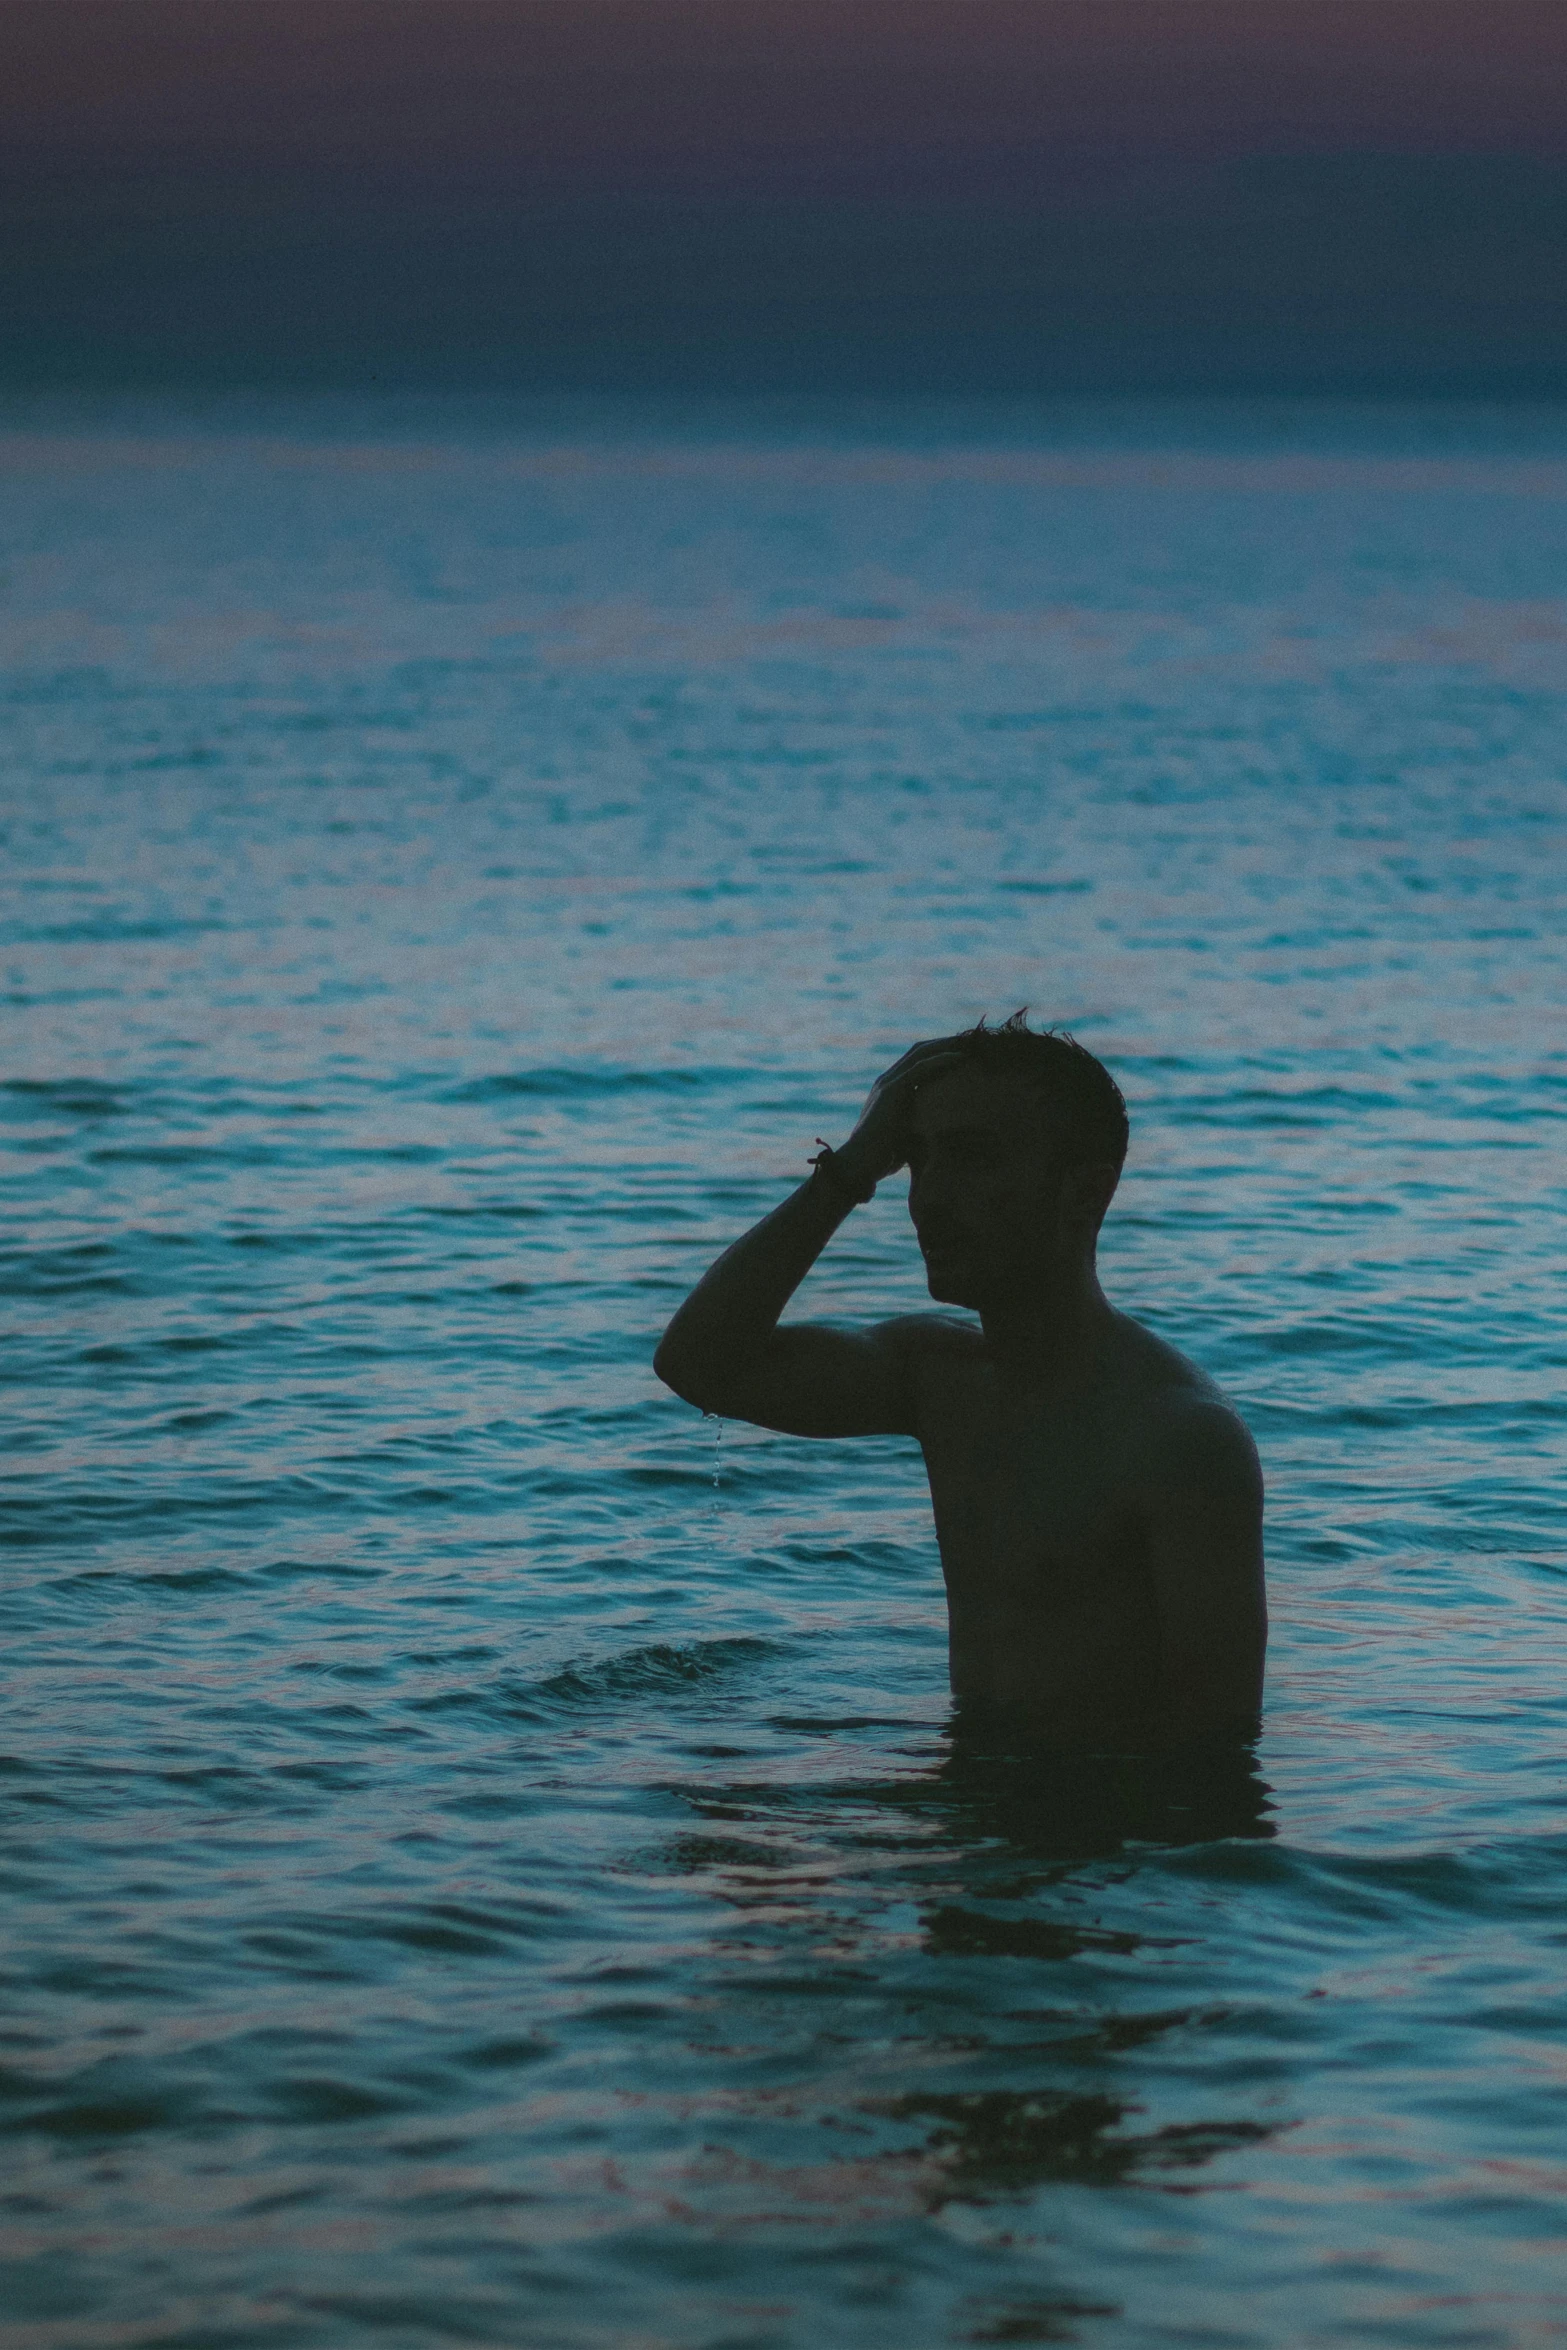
674, 1366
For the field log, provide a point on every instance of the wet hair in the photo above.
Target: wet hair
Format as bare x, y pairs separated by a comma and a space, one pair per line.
1083, 1099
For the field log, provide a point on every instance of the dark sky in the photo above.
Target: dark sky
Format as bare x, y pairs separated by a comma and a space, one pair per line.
934, 195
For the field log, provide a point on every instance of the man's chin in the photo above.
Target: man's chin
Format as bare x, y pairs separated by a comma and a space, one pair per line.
947, 1282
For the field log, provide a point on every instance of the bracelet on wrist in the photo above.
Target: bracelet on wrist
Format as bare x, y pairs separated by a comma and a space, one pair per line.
830, 1169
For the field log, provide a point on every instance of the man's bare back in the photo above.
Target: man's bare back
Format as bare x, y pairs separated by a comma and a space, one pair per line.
1098, 1503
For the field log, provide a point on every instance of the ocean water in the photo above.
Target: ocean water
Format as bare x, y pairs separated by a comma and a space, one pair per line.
485, 1857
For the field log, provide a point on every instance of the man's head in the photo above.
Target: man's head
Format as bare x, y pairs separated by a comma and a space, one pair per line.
1013, 1157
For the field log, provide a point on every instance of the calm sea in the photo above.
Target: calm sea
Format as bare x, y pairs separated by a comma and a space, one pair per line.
485, 1858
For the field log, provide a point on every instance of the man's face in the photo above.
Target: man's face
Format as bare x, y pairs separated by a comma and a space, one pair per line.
985, 1187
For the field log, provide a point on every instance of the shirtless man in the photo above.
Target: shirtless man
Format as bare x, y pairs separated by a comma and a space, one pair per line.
1098, 1503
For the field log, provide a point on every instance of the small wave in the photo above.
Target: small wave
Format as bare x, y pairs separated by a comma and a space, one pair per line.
1257, 1106
193, 1579
568, 1083
652, 1672
104, 932
1374, 1342
109, 2099
206, 1154
956, 1932
70, 1097
41, 1512
506, 2054
325, 2098
58, 1272
292, 1570
1495, 1878
473, 1929
637, 1676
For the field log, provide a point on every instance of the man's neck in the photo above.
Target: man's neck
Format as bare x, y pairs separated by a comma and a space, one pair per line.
1047, 1336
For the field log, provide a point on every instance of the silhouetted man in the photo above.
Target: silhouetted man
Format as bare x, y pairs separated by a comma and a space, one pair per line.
1098, 1503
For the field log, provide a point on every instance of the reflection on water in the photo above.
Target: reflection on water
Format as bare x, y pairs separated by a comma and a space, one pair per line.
993, 2142
1074, 1807
974, 1865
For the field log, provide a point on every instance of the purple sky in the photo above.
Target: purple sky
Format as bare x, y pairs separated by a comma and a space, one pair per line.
845, 95
945, 195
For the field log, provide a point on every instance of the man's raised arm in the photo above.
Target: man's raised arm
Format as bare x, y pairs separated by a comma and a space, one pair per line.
724, 1350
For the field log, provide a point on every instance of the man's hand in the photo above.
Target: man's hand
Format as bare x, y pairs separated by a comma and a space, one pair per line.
724, 1350
879, 1144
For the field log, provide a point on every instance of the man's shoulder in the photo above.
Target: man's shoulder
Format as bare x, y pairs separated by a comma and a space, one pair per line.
1182, 1422
1191, 1424
932, 1337
935, 1353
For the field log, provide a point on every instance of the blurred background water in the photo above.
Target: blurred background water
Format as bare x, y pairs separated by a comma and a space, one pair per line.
484, 1859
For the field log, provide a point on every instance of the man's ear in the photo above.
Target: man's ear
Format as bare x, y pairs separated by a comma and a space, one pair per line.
1087, 1190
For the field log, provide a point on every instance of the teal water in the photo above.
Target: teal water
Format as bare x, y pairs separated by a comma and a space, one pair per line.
484, 1856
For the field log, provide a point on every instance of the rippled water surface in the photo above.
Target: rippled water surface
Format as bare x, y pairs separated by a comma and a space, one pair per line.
484, 1856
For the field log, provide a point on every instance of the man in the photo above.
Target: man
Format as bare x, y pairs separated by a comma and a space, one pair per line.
1098, 1503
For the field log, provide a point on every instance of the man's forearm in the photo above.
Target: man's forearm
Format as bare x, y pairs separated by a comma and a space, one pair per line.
726, 1322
